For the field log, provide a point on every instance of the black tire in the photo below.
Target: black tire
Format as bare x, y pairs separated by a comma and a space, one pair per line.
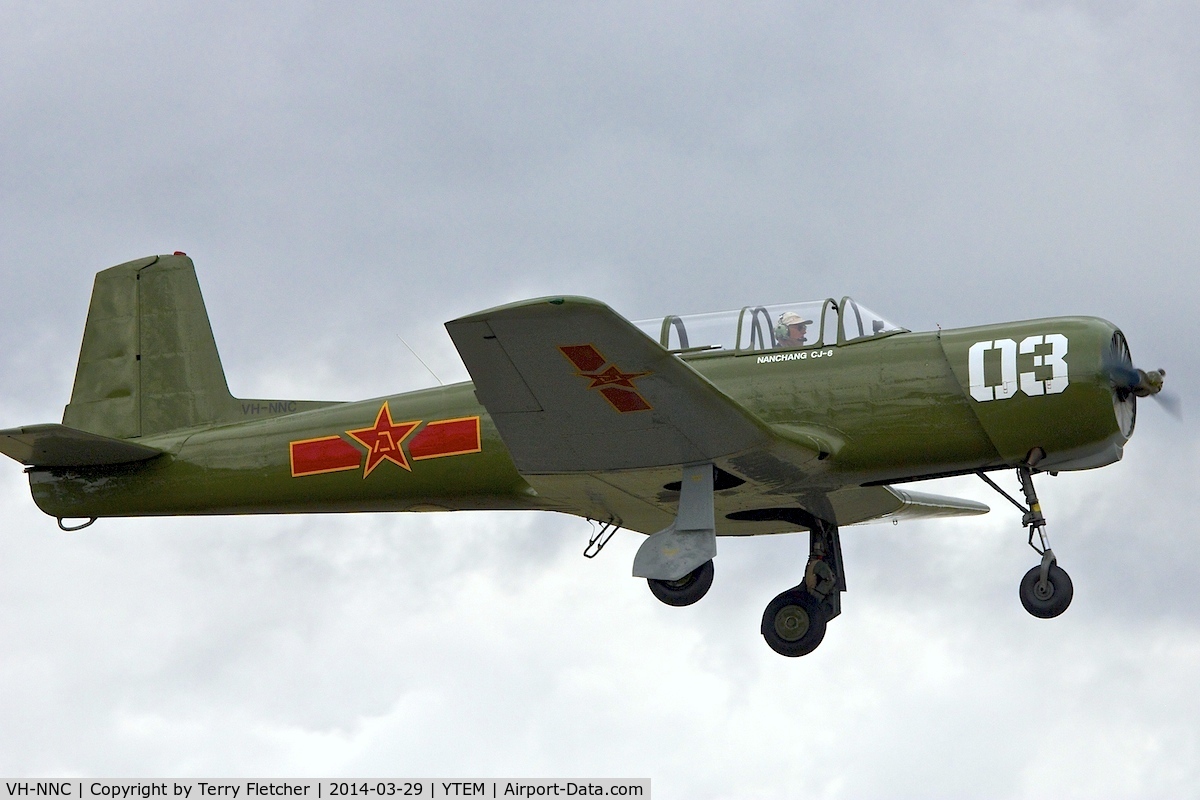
793, 623
687, 590
1050, 600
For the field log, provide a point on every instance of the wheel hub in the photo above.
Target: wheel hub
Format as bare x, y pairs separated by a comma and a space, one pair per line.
791, 623
1043, 590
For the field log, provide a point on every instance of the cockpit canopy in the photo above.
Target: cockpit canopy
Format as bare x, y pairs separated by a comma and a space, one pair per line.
819, 323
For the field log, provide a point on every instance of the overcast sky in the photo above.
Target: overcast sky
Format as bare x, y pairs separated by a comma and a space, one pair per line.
344, 175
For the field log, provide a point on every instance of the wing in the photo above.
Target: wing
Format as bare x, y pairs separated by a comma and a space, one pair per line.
60, 446
573, 387
861, 504
599, 418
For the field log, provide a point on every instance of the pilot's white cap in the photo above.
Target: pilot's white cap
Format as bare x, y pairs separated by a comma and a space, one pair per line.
792, 318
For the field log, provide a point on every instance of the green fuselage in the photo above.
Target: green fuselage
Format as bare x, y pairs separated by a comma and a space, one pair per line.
897, 407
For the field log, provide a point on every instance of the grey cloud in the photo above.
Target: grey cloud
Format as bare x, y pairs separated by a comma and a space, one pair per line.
345, 175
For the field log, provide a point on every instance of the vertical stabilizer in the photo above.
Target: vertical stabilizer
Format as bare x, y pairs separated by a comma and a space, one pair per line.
149, 362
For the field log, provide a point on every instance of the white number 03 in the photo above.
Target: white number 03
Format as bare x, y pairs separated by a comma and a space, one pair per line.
1010, 380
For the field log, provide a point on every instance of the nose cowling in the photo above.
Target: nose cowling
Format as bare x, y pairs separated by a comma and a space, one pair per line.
1062, 385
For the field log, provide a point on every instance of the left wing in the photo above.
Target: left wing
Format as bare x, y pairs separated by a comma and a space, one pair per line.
574, 387
601, 417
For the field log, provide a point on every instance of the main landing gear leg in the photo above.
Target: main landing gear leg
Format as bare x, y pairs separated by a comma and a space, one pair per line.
1046, 590
677, 561
793, 624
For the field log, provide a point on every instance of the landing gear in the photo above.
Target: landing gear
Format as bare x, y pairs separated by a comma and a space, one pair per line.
793, 624
687, 590
1046, 590
1048, 596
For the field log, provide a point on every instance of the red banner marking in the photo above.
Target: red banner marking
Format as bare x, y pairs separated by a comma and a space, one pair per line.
446, 437
585, 357
624, 400
327, 454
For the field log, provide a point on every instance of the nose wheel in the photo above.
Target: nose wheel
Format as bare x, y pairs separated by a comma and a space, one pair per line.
1049, 595
1046, 590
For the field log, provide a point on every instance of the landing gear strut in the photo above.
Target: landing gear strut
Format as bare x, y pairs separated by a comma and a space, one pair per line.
793, 624
1046, 590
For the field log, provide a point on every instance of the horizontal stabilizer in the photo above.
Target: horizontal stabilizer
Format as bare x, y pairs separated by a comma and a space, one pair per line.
60, 446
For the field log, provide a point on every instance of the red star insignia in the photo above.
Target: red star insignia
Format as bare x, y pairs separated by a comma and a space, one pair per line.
613, 377
383, 439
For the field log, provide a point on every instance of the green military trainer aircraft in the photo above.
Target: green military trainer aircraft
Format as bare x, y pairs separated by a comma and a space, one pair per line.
768, 419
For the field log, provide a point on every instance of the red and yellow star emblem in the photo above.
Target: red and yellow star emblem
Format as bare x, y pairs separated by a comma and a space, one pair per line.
383, 440
616, 386
613, 377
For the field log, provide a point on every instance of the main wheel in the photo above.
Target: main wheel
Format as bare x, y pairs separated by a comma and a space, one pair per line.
687, 590
1049, 599
793, 623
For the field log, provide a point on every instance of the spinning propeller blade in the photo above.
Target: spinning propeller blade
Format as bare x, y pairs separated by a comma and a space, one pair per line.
1128, 380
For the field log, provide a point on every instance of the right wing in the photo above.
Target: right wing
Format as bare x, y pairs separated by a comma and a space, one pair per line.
861, 504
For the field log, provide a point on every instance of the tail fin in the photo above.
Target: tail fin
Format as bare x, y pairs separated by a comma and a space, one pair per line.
149, 362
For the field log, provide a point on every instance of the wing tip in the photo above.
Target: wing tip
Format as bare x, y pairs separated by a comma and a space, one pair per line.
937, 505
536, 304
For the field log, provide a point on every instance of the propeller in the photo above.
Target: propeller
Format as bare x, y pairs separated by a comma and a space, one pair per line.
1127, 380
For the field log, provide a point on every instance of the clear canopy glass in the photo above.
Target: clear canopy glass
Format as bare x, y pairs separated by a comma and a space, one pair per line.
758, 328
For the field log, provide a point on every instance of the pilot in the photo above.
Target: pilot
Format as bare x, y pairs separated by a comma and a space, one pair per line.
792, 329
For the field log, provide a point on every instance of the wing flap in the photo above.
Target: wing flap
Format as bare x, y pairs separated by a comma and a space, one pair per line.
60, 446
574, 387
